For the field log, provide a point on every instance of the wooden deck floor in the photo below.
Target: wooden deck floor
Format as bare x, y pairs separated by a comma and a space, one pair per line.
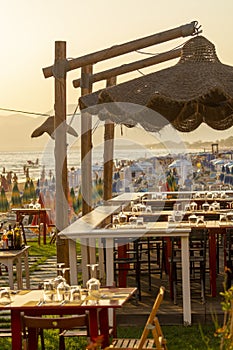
137, 311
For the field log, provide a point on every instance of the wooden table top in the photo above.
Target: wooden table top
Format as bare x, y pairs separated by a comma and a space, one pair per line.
31, 299
11, 253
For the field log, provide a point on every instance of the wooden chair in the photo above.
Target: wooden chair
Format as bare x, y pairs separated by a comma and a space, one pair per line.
197, 258
141, 256
33, 326
158, 342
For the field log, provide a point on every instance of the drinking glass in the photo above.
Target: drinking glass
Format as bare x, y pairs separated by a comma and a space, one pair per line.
93, 284
75, 293
63, 291
140, 221
61, 267
49, 291
5, 296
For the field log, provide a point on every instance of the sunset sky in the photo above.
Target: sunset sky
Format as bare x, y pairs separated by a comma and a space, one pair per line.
30, 28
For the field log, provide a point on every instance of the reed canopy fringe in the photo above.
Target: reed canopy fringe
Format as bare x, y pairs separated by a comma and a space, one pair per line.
198, 89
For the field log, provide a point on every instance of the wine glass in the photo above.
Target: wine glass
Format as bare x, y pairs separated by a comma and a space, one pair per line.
5, 296
63, 291
49, 291
75, 293
93, 284
61, 267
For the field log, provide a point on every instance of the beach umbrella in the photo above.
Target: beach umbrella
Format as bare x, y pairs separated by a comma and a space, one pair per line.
4, 205
79, 201
32, 190
97, 191
49, 202
50, 205
227, 175
73, 199
171, 182
99, 188
48, 126
16, 201
72, 204
222, 174
199, 88
26, 192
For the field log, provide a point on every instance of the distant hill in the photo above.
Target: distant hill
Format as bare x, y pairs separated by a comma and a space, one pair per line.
16, 130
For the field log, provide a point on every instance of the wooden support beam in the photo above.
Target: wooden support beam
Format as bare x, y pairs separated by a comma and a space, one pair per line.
86, 171
86, 145
117, 50
130, 67
60, 151
108, 152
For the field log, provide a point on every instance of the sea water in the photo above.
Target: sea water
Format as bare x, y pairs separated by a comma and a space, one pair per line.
18, 161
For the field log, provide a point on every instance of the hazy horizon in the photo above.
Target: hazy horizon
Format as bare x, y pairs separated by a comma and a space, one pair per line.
16, 130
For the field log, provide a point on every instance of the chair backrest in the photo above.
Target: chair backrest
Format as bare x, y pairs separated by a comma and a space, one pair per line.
30, 323
152, 319
55, 323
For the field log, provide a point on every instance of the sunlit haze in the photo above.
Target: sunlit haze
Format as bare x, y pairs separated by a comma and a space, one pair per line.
30, 28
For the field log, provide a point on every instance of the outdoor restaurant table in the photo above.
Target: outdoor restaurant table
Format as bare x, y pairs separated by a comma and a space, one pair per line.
169, 202
40, 212
28, 302
152, 229
97, 217
163, 215
213, 228
8, 258
126, 198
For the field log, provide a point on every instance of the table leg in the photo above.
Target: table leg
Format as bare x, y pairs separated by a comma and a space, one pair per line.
168, 253
104, 326
85, 261
16, 330
19, 273
44, 230
186, 280
26, 268
122, 278
10, 274
73, 262
101, 259
93, 324
212, 263
109, 262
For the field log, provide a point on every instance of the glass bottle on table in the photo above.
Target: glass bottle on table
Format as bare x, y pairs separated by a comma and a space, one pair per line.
10, 236
18, 236
4, 240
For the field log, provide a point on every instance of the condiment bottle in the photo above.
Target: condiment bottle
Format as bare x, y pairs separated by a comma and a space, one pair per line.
4, 240
18, 236
10, 236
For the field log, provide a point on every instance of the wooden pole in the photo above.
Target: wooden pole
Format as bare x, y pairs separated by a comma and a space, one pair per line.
86, 145
60, 151
87, 251
117, 50
108, 152
130, 67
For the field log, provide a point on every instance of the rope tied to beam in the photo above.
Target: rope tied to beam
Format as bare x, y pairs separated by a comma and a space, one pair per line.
60, 68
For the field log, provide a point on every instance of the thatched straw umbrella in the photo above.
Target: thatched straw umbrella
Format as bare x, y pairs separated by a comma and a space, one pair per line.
199, 88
